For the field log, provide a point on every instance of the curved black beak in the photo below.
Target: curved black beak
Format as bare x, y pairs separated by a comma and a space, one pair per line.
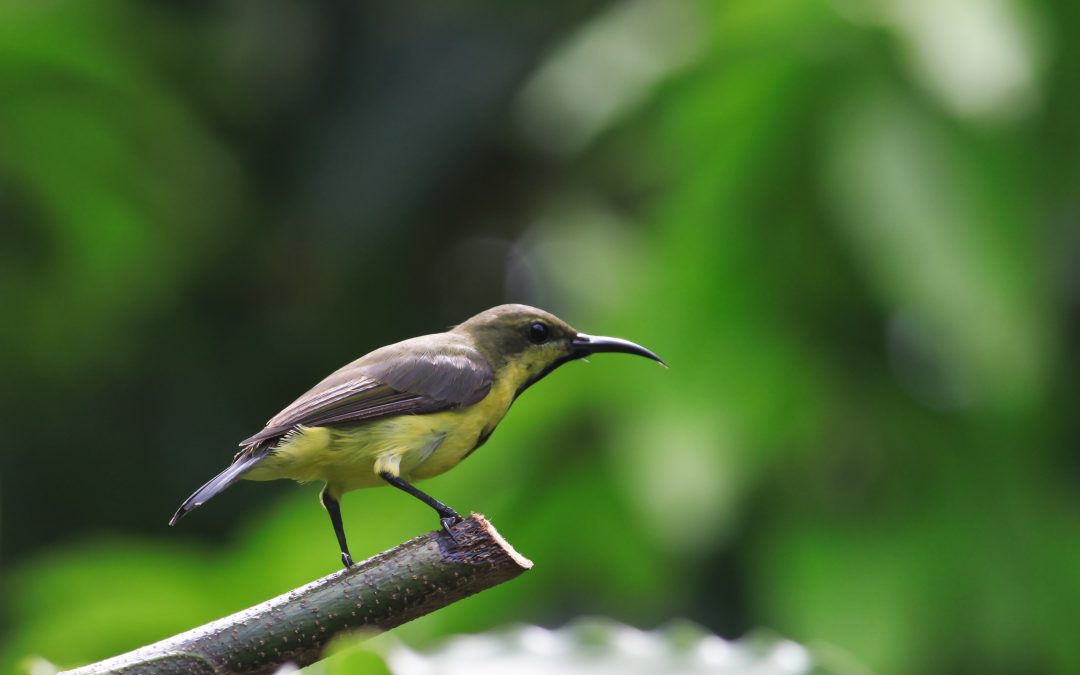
584, 345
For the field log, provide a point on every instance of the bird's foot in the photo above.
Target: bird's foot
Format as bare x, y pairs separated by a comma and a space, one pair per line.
449, 518
346, 560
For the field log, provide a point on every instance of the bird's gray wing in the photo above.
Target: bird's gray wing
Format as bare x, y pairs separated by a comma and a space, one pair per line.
412, 377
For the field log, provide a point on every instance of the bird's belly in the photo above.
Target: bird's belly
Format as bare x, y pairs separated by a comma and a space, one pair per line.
418, 446
461, 438
465, 430
323, 454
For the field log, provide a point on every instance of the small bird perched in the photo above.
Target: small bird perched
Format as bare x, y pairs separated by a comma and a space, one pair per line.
410, 410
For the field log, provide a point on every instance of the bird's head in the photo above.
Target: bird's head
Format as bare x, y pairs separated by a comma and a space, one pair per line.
532, 342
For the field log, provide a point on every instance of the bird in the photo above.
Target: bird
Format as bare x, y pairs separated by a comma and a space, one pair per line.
410, 410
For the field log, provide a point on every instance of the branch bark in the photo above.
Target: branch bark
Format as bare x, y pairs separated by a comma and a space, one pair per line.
406, 582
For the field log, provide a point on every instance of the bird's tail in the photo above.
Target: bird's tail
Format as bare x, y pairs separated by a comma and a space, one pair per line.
216, 484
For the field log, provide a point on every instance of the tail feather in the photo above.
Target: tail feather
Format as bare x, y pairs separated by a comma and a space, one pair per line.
216, 484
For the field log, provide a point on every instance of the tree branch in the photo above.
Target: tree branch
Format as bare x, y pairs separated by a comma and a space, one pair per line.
406, 582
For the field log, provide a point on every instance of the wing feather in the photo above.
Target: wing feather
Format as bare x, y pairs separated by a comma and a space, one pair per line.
399, 379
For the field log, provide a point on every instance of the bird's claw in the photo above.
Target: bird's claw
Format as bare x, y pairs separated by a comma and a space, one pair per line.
347, 560
448, 521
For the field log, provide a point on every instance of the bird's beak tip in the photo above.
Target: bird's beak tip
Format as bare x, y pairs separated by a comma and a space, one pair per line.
594, 344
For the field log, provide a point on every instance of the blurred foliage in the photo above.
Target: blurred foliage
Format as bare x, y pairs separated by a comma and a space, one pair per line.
850, 228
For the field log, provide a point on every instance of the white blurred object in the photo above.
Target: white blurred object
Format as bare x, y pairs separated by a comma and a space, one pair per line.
35, 665
603, 647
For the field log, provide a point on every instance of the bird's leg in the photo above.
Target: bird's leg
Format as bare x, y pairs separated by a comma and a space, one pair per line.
334, 509
447, 516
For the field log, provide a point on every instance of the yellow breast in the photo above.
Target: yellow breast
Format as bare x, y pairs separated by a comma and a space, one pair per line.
412, 446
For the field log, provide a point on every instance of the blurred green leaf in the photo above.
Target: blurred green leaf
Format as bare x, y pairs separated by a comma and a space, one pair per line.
104, 159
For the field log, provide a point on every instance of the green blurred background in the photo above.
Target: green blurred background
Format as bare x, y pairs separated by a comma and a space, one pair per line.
850, 227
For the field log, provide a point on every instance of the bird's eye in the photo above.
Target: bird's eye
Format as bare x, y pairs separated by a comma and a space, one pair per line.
538, 333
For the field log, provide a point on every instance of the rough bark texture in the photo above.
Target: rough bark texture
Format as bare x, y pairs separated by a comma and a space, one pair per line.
406, 582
